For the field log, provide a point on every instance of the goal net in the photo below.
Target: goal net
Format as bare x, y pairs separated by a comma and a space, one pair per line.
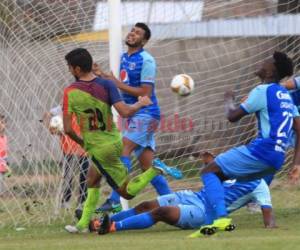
218, 43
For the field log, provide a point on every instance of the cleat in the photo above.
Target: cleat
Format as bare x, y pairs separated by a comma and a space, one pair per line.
230, 227
203, 231
78, 213
223, 224
74, 230
166, 170
109, 206
105, 225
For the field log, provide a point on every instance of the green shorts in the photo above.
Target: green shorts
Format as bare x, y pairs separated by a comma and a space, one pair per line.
106, 159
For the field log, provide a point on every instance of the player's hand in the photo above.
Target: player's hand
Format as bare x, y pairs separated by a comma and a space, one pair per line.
96, 70
111, 76
271, 226
294, 174
54, 131
244, 99
144, 101
229, 95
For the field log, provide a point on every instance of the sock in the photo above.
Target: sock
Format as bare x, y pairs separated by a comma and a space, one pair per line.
161, 185
215, 193
89, 207
114, 196
139, 221
139, 182
123, 215
126, 161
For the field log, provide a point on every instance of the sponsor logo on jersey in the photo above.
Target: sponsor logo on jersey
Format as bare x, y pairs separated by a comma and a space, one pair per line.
131, 66
283, 96
124, 75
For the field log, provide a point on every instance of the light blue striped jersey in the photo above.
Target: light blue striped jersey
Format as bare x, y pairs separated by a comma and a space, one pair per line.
274, 110
237, 195
138, 69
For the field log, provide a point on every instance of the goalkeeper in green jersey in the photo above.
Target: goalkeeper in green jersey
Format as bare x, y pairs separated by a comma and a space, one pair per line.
91, 99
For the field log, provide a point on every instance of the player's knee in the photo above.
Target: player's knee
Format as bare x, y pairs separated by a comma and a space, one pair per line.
163, 214
146, 206
124, 194
93, 181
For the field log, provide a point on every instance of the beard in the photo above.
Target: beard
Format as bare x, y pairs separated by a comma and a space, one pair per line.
134, 45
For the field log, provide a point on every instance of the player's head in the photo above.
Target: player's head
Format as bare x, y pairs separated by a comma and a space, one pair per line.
2, 123
276, 68
79, 61
138, 36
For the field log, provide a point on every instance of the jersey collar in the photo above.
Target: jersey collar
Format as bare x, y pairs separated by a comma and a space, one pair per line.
137, 52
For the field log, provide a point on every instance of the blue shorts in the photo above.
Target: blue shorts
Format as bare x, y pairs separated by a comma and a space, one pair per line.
192, 209
140, 129
238, 163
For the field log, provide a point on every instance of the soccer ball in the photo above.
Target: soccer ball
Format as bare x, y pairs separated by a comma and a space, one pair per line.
182, 84
56, 123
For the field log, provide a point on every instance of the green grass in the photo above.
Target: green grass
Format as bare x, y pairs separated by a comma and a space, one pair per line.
249, 235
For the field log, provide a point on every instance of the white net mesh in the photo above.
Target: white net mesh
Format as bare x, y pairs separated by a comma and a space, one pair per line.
218, 43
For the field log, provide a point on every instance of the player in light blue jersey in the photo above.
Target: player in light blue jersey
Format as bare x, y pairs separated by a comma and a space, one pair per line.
276, 115
137, 78
187, 209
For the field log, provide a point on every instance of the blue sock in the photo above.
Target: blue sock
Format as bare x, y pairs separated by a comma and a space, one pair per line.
123, 215
215, 193
114, 196
127, 162
139, 221
161, 185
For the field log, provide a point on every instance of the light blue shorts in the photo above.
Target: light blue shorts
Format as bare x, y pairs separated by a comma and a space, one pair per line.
238, 163
140, 129
192, 209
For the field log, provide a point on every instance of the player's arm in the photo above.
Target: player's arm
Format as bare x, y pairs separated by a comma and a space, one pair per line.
256, 101
232, 112
290, 84
123, 109
262, 196
128, 110
67, 118
268, 217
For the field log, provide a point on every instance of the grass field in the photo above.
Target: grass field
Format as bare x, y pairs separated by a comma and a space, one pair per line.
249, 235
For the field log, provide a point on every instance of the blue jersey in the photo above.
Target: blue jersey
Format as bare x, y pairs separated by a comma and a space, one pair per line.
138, 69
237, 195
295, 93
274, 110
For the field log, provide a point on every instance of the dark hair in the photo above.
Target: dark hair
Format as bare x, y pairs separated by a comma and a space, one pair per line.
145, 28
80, 57
2, 117
284, 65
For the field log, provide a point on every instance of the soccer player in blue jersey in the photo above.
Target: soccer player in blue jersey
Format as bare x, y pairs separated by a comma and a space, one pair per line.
187, 209
137, 78
293, 85
265, 154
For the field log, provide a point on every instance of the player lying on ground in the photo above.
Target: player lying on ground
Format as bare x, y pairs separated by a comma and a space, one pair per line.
90, 99
265, 154
187, 209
